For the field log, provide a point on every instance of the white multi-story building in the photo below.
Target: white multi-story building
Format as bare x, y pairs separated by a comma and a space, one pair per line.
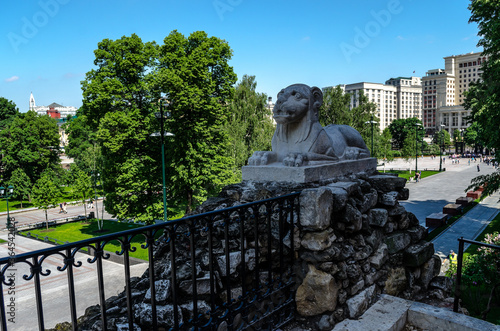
443, 92
398, 98
53, 110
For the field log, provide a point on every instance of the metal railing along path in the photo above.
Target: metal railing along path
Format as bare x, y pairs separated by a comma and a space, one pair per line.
252, 295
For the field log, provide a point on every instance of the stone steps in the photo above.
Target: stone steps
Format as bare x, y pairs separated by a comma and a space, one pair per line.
392, 314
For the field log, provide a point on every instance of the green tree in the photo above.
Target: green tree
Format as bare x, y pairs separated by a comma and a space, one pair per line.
483, 97
82, 185
363, 113
335, 107
442, 138
384, 149
8, 111
31, 143
401, 128
81, 137
22, 185
119, 101
471, 136
45, 194
250, 125
195, 74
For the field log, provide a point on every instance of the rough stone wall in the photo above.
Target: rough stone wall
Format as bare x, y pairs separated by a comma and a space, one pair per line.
353, 241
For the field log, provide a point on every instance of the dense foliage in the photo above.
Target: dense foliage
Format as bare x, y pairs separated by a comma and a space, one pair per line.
30, 142
250, 125
483, 97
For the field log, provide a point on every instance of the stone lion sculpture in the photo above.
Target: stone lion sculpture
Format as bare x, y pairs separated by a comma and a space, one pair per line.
300, 139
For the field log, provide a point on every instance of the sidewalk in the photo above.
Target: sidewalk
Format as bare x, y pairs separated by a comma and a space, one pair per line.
432, 193
469, 226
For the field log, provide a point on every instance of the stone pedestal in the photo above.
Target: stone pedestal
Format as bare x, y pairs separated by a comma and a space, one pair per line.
464, 201
306, 174
452, 209
436, 220
474, 194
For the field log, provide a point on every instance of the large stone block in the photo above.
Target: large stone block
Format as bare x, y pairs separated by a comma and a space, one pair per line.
358, 304
316, 208
318, 241
339, 196
388, 199
317, 293
307, 174
418, 254
387, 183
378, 217
380, 257
397, 242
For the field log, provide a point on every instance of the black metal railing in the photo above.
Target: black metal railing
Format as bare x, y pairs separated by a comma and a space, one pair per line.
460, 258
245, 252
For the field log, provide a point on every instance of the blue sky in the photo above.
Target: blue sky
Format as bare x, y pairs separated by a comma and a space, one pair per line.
46, 46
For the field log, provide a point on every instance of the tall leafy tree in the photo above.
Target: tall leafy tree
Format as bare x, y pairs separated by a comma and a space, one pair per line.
363, 113
384, 149
22, 185
401, 128
119, 100
250, 125
8, 111
195, 74
31, 143
82, 184
45, 194
335, 107
483, 97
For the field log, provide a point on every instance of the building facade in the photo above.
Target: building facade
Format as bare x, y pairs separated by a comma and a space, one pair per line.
398, 98
54, 110
443, 92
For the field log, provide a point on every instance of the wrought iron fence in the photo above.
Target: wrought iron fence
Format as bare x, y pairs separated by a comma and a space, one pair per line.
244, 253
460, 260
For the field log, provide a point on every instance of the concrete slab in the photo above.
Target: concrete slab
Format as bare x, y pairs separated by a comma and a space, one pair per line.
441, 319
388, 313
306, 174
392, 314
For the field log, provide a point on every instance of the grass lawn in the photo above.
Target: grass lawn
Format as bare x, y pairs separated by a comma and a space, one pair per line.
406, 174
494, 226
76, 231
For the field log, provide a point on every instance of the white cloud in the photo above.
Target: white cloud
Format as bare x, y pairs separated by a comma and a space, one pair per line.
12, 79
401, 38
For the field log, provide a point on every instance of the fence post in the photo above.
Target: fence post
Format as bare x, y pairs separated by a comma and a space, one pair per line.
459, 273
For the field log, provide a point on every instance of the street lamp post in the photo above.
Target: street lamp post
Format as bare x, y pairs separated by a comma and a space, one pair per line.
441, 143
6, 194
162, 134
416, 147
371, 122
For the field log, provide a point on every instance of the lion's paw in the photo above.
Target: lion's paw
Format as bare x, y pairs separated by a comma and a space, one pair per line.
262, 158
295, 160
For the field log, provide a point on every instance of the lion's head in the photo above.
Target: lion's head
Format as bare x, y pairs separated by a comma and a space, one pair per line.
297, 104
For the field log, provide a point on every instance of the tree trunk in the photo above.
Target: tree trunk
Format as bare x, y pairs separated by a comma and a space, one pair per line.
85, 208
189, 195
46, 220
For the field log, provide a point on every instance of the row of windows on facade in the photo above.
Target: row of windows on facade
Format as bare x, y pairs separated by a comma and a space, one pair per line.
472, 63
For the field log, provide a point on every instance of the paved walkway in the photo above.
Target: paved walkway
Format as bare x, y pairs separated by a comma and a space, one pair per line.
54, 286
468, 226
431, 194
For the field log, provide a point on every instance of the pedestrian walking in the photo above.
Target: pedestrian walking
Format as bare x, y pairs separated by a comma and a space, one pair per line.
478, 168
64, 208
60, 208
